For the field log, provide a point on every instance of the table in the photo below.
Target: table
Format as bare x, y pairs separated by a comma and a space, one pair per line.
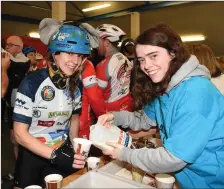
103, 161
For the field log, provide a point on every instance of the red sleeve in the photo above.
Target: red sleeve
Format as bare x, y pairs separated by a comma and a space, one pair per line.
101, 73
93, 91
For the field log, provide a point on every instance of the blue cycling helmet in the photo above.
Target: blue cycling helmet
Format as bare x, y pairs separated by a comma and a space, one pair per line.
70, 39
27, 50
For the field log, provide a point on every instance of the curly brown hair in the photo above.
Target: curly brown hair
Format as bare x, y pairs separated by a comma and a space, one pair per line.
161, 35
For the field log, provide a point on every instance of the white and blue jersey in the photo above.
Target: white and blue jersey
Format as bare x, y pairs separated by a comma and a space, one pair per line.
191, 123
46, 109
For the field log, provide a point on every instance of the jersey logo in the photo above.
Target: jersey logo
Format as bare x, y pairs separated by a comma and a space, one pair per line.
36, 113
22, 102
123, 70
59, 113
45, 123
48, 93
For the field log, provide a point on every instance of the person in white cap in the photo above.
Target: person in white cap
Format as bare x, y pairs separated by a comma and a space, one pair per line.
113, 73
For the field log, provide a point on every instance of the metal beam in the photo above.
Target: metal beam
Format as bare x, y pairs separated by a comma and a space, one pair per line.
140, 8
76, 7
43, 8
49, 5
20, 19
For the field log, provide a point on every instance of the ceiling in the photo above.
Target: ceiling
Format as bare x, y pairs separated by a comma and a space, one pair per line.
185, 17
32, 11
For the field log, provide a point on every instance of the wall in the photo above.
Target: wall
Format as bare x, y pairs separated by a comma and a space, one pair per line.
17, 28
200, 17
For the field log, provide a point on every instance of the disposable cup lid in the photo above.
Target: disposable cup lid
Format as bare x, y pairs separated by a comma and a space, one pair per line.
33, 187
93, 159
165, 178
51, 177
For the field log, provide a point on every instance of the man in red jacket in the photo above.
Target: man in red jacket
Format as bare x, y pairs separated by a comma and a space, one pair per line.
92, 99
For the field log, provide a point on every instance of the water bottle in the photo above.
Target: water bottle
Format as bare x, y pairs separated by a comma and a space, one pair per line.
99, 135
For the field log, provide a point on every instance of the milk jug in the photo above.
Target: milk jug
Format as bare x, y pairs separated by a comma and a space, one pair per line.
100, 134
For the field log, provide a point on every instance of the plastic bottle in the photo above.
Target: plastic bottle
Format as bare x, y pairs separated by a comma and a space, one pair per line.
100, 134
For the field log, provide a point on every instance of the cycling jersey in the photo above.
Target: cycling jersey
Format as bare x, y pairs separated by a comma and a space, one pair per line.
113, 75
46, 109
92, 99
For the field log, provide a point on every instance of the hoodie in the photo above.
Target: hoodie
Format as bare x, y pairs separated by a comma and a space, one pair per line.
190, 118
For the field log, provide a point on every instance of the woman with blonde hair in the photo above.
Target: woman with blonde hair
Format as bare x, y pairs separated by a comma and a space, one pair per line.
207, 58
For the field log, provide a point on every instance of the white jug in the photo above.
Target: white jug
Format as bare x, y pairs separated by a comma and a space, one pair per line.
100, 134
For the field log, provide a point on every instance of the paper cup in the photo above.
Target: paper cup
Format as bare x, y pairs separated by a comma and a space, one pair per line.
164, 181
53, 181
82, 146
33, 187
93, 163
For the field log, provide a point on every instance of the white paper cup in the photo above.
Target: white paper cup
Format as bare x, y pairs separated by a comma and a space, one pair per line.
82, 146
33, 187
53, 181
93, 163
164, 181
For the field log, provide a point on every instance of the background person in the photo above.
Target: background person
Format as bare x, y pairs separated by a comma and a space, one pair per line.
47, 108
93, 104
14, 45
30, 53
173, 91
113, 73
207, 58
5, 63
19, 66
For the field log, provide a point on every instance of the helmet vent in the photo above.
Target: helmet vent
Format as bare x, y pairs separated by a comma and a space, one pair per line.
115, 29
103, 30
72, 42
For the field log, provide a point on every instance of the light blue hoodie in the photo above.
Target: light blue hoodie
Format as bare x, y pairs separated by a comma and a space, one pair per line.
191, 123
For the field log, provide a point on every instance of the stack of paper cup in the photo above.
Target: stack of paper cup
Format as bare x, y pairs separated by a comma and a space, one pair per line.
164, 181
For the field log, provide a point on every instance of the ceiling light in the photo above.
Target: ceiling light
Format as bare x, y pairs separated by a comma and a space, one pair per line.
188, 38
96, 7
34, 34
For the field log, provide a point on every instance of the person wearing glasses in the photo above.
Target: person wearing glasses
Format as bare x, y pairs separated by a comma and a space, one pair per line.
173, 91
18, 68
47, 108
14, 45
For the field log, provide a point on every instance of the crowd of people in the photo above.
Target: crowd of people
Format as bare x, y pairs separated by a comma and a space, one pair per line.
86, 77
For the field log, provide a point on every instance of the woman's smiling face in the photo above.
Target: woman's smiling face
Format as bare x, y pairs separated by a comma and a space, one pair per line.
69, 63
154, 61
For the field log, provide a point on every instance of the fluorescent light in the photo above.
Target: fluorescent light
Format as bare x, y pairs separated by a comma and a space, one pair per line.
188, 38
96, 7
34, 34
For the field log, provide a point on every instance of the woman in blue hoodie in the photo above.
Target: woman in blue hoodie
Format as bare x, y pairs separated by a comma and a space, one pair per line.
174, 92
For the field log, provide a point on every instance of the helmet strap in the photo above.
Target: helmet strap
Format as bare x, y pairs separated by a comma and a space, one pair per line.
57, 76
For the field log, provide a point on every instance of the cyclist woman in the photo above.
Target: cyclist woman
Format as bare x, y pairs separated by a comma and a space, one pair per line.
47, 108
